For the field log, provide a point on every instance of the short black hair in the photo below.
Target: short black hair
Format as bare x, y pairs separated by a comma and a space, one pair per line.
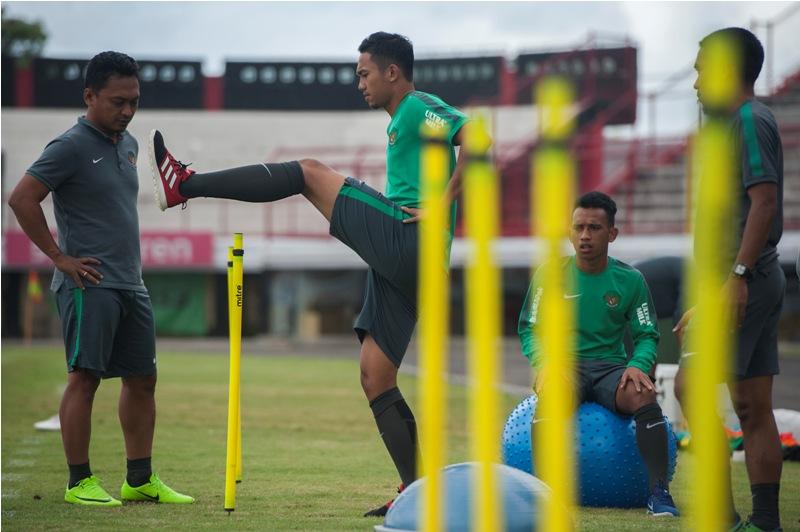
387, 48
749, 47
598, 200
106, 64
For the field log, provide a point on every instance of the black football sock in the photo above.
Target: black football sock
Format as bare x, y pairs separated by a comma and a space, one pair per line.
139, 471
256, 183
651, 438
78, 472
399, 432
765, 506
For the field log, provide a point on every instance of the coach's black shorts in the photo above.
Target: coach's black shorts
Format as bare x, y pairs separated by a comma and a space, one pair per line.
373, 227
108, 332
757, 337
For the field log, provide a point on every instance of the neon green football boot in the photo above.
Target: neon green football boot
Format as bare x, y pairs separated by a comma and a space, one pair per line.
90, 493
154, 491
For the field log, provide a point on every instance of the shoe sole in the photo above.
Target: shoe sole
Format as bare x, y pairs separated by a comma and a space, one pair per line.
158, 185
115, 504
145, 501
131, 495
153, 501
661, 514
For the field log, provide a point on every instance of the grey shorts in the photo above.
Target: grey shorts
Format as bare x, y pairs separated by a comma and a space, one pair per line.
108, 332
757, 337
598, 382
372, 226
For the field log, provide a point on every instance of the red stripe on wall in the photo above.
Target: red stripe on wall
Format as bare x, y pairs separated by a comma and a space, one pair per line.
23, 80
212, 93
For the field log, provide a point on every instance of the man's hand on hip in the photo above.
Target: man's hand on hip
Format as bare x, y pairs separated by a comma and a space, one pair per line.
79, 269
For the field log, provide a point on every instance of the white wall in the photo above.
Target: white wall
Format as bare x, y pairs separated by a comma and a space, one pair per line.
217, 140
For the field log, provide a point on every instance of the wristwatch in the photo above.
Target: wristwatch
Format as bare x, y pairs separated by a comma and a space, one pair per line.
740, 270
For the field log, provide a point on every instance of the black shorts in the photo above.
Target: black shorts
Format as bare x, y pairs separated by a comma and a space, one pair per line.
108, 332
372, 226
757, 337
598, 382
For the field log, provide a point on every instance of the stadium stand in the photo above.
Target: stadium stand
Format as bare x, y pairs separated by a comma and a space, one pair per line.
655, 194
219, 122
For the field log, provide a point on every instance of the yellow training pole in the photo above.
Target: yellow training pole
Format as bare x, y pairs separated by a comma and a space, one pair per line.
553, 176
235, 332
239, 281
239, 435
231, 301
709, 336
433, 325
483, 325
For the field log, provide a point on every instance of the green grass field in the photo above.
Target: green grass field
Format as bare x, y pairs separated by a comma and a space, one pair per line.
312, 458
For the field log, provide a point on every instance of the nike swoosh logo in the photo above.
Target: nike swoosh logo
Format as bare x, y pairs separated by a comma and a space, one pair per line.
95, 161
146, 495
649, 426
92, 500
573, 296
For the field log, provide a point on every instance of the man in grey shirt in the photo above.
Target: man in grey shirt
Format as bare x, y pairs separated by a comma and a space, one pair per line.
756, 281
106, 315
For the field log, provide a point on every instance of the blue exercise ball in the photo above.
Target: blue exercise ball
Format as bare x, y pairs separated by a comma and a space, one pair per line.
521, 495
610, 468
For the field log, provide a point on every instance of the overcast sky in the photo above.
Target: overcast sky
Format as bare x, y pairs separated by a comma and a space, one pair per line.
666, 33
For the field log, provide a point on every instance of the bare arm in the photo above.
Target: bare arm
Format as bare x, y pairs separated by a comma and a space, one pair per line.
25, 201
454, 185
763, 209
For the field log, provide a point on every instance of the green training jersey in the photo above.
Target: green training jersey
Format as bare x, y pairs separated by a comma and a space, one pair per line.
605, 304
405, 144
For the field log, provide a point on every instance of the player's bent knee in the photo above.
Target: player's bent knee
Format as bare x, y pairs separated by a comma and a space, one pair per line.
374, 387
313, 168
375, 383
630, 400
647, 396
364, 380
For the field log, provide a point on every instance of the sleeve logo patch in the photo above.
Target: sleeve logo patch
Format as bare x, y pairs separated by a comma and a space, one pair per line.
132, 158
643, 315
433, 120
535, 306
392, 138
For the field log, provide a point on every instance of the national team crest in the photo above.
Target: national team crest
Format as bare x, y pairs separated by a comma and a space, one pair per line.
392, 138
132, 158
612, 299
